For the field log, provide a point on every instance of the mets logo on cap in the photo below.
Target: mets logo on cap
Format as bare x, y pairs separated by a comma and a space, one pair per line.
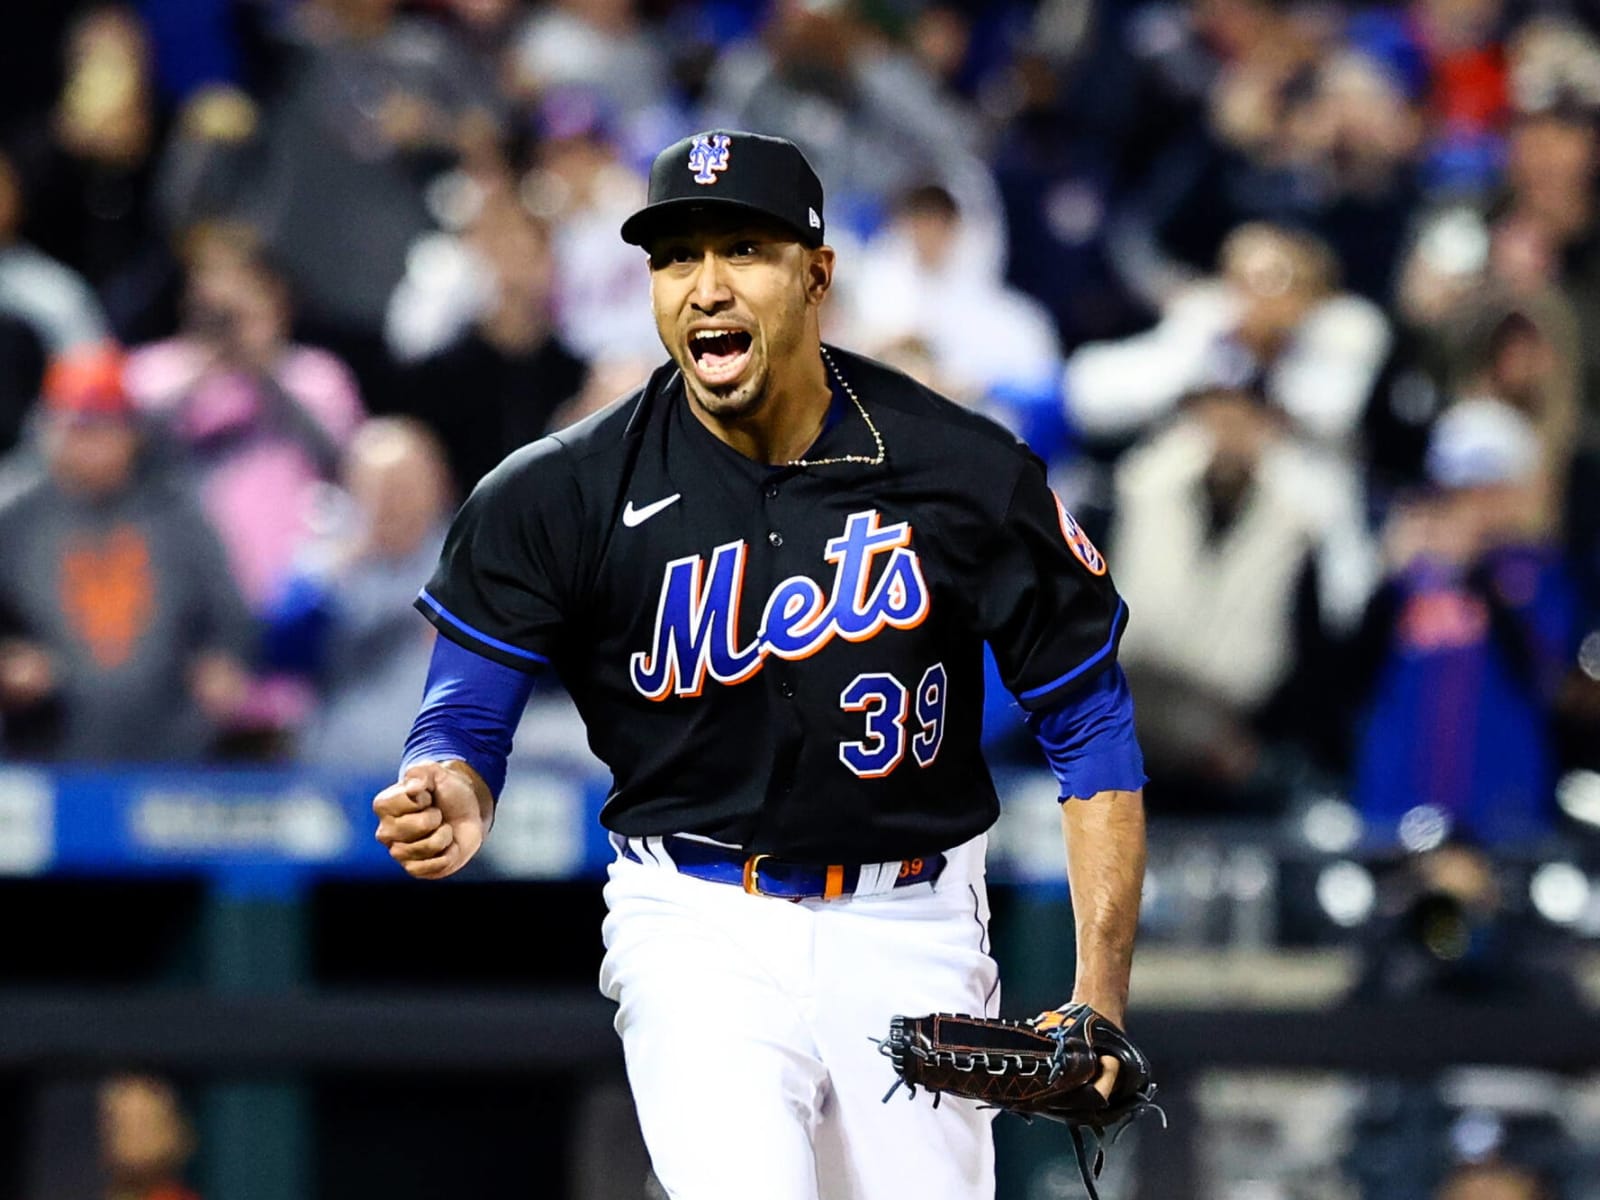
708, 154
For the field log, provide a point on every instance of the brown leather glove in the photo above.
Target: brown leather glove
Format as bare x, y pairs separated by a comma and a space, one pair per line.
1043, 1067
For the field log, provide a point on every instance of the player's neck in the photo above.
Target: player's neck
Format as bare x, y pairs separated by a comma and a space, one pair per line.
788, 423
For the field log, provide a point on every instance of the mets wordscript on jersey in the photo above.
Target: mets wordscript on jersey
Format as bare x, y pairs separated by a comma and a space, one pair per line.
697, 615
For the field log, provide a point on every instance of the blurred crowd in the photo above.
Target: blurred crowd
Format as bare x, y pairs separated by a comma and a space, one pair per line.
1300, 301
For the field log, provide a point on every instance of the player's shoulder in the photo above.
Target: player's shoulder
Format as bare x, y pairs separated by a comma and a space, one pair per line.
935, 424
608, 431
587, 450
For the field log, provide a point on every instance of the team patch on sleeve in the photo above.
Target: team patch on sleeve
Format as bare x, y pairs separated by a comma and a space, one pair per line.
1082, 548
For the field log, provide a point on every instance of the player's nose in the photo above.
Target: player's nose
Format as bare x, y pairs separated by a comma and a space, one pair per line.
711, 289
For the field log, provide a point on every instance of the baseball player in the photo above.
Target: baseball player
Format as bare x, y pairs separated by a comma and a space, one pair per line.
766, 578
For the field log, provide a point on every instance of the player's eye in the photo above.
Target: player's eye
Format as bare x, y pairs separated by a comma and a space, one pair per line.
744, 249
673, 256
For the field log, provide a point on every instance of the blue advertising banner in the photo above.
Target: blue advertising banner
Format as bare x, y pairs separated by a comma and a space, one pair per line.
267, 830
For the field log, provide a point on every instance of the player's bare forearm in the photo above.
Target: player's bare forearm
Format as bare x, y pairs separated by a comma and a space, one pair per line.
1105, 867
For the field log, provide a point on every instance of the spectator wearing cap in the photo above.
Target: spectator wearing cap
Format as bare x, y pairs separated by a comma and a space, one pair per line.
1242, 547
124, 638
1464, 648
1463, 329
1526, 355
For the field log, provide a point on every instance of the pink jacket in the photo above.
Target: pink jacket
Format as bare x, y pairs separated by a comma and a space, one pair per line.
258, 462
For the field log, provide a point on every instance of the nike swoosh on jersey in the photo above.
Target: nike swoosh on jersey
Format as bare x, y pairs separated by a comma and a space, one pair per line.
632, 516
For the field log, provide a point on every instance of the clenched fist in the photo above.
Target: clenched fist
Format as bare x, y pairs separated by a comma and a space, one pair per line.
435, 818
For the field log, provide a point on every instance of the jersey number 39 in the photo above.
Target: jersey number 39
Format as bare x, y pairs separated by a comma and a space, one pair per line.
888, 704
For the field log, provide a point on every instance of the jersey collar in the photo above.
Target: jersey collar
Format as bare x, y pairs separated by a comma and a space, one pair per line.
843, 431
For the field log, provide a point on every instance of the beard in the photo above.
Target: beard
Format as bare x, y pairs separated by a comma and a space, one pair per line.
741, 399
774, 342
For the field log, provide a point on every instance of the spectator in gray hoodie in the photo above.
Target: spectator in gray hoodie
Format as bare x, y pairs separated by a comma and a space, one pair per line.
122, 635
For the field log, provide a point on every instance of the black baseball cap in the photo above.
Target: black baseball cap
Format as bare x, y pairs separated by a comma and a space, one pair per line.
728, 170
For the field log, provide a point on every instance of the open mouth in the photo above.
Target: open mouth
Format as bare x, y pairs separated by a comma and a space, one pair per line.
720, 355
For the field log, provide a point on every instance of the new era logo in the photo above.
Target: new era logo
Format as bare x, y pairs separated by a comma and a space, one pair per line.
816, 221
708, 154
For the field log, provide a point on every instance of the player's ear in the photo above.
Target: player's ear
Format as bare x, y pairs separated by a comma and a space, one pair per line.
819, 272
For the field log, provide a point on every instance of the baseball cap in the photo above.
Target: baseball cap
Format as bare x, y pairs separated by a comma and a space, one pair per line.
87, 381
1479, 442
729, 170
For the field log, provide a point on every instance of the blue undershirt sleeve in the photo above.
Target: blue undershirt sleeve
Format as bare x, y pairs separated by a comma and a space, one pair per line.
1089, 738
470, 709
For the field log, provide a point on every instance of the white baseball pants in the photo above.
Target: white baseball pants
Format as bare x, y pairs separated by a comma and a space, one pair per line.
745, 1024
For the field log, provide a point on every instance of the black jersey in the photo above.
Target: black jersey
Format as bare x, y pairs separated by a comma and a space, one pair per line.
785, 659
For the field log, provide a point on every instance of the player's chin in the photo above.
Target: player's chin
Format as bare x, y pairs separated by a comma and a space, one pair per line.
735, 398
734, 404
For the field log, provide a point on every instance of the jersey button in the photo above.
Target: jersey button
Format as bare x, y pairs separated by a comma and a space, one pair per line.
774, 538
786, 690
772, 491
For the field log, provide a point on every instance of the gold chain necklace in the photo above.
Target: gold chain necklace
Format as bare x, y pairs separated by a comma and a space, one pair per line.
877, 438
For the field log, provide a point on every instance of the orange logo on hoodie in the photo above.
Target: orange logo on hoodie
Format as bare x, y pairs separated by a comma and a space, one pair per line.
107, 592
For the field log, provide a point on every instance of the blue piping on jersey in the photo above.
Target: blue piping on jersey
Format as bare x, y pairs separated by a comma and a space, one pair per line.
482, 637
1087, 664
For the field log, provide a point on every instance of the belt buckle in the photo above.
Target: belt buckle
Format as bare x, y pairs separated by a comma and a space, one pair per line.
752, 874
752, 880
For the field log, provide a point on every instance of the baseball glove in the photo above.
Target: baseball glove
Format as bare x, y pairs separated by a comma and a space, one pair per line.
1043, 1067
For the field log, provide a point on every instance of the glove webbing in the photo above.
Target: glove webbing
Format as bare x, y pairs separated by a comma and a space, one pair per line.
1089, 1176
998, 1062
1141, 1102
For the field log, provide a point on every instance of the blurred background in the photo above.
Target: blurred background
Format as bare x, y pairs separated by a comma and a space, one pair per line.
1301, 304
